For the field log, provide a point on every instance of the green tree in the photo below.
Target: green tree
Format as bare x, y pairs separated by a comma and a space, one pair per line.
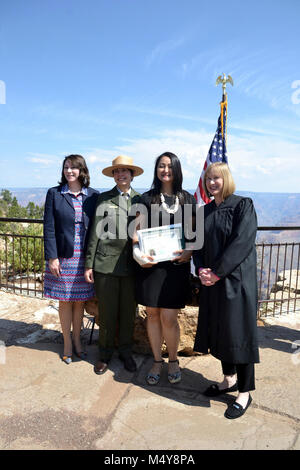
21, 253
24, 251
5, 200
6, 195
34, 211
15, 210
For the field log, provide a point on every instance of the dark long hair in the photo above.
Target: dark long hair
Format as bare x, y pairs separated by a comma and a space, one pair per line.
177, 178
78, 162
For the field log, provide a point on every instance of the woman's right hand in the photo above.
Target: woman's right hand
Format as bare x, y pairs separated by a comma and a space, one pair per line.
150, 260
145, 261
54, 266
89, 276
207, 277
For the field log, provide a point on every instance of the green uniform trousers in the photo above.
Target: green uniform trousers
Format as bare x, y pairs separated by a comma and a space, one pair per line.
117, 307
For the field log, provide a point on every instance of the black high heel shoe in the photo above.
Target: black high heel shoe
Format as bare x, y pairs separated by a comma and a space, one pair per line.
67, 359
79, 354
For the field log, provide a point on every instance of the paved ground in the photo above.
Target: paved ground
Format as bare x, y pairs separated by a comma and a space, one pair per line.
46, 404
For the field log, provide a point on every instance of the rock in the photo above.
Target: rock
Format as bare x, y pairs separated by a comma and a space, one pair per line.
28, 320
140, 336
285, 292
288, 280
37, 320
91, 307
187, 318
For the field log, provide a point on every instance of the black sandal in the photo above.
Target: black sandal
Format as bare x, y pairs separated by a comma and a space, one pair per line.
175, 377
153, 379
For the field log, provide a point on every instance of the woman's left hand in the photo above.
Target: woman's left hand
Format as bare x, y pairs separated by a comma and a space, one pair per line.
185, 256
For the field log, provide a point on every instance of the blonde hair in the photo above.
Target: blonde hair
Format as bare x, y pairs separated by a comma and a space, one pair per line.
222, 169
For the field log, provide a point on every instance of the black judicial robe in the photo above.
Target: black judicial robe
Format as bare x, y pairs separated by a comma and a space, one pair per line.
227, 310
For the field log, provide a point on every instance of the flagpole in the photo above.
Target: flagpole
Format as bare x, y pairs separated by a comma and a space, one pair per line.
224, 80
218, 149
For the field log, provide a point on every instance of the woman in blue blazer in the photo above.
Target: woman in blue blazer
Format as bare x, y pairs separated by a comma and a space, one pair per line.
69, 209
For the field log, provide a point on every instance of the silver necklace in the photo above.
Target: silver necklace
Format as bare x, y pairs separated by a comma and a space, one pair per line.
166, 207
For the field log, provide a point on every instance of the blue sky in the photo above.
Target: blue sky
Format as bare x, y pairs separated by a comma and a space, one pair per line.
137, 77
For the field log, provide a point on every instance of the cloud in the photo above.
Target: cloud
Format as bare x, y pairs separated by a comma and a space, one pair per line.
162, 49
255, 74
258, 163
41, 160
100, 155
264, 125
44, 159
264, 164
166, 113
57, 112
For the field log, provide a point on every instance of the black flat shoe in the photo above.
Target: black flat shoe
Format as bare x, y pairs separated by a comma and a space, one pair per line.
235, 410
129, 363
214, 391
100, 368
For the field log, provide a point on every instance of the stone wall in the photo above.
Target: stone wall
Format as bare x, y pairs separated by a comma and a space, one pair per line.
187, 318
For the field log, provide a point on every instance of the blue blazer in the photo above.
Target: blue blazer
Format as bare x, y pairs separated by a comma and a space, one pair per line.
59, 221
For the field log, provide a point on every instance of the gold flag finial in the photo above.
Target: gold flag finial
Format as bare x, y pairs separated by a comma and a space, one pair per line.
224, 80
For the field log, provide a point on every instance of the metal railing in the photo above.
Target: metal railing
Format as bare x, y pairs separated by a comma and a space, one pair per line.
278, 268
278, 273
21, 259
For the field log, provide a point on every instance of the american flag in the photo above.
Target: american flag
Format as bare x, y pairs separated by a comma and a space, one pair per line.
217, 153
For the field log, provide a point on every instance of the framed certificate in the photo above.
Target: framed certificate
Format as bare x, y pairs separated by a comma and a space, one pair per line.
161, 242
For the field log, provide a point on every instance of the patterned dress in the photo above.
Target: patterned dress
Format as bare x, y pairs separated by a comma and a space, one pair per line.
71, 286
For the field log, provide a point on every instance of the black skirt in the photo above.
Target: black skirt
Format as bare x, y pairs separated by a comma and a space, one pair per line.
165, 285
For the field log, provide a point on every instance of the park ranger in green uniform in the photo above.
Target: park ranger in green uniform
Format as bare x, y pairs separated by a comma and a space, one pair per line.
110, 265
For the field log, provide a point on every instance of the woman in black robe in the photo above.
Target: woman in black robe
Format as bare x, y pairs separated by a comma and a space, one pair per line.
228, 299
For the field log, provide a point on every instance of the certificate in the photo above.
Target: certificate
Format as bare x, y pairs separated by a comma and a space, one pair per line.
161, 242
